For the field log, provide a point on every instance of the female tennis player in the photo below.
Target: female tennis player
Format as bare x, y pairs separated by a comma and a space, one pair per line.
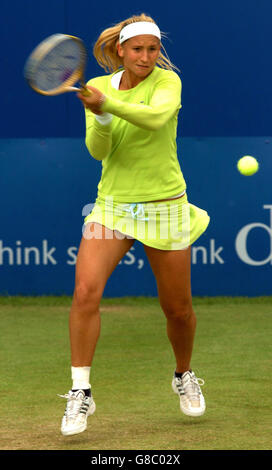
131, 123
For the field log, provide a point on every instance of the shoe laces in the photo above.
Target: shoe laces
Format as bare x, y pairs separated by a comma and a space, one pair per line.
76, 404
189, 384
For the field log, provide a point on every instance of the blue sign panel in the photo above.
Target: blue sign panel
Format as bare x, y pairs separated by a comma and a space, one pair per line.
46, 186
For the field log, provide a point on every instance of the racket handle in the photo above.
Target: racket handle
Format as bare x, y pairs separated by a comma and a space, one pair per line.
73, 88
85, 92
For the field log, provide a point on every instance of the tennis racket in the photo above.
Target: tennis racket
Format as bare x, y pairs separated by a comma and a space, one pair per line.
56, 64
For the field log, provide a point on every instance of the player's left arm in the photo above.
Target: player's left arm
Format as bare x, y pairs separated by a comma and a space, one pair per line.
165, 102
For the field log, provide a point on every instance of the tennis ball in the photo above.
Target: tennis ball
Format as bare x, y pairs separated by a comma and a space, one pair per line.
247, 165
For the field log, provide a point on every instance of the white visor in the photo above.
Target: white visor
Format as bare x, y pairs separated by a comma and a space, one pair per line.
138, 28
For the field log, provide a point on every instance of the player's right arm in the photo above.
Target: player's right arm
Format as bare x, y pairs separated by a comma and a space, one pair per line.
98, 135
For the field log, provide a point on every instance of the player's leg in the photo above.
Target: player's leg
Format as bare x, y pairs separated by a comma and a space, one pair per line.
97, 257
172, 270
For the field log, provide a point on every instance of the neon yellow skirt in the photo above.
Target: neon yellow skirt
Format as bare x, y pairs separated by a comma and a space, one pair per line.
165, 225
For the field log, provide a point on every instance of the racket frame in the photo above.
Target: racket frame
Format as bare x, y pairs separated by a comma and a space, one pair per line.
41, 51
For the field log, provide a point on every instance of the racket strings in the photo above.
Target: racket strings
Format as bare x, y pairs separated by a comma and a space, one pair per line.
58, 66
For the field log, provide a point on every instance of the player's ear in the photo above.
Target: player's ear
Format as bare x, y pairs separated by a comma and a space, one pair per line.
120, 50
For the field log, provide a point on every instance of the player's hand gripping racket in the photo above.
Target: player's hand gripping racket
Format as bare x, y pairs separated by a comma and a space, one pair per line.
56, 64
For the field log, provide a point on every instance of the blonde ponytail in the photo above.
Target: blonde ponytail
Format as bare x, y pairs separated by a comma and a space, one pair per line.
105, 48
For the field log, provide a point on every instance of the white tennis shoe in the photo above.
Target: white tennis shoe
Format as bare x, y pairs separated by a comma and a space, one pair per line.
78, 408
192, 402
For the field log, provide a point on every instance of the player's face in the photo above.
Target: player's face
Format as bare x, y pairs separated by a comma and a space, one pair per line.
140, 55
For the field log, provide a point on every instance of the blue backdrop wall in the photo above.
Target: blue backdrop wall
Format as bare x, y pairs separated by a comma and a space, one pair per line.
47, 178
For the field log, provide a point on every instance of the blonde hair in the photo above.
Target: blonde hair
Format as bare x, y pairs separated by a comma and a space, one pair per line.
105, 48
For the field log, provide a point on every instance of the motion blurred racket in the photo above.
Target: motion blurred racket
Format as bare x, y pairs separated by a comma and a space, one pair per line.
56, 65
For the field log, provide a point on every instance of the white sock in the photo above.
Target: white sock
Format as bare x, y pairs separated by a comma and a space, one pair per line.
81, 378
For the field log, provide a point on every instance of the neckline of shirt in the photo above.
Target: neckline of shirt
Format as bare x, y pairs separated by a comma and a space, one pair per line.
116, 79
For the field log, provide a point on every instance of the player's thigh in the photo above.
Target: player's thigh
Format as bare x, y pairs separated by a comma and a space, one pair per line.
172, 270
99, 253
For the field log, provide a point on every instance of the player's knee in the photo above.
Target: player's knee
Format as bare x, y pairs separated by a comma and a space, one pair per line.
88, 295
178, 310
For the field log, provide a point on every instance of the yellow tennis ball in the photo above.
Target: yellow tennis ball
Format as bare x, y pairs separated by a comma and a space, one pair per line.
247, 165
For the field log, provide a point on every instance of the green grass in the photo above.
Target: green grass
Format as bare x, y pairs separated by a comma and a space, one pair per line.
131, 376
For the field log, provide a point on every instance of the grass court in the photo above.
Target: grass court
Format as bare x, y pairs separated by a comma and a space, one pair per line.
131, 376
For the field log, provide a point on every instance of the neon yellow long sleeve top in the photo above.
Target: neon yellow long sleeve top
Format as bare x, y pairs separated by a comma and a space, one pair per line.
138, 147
